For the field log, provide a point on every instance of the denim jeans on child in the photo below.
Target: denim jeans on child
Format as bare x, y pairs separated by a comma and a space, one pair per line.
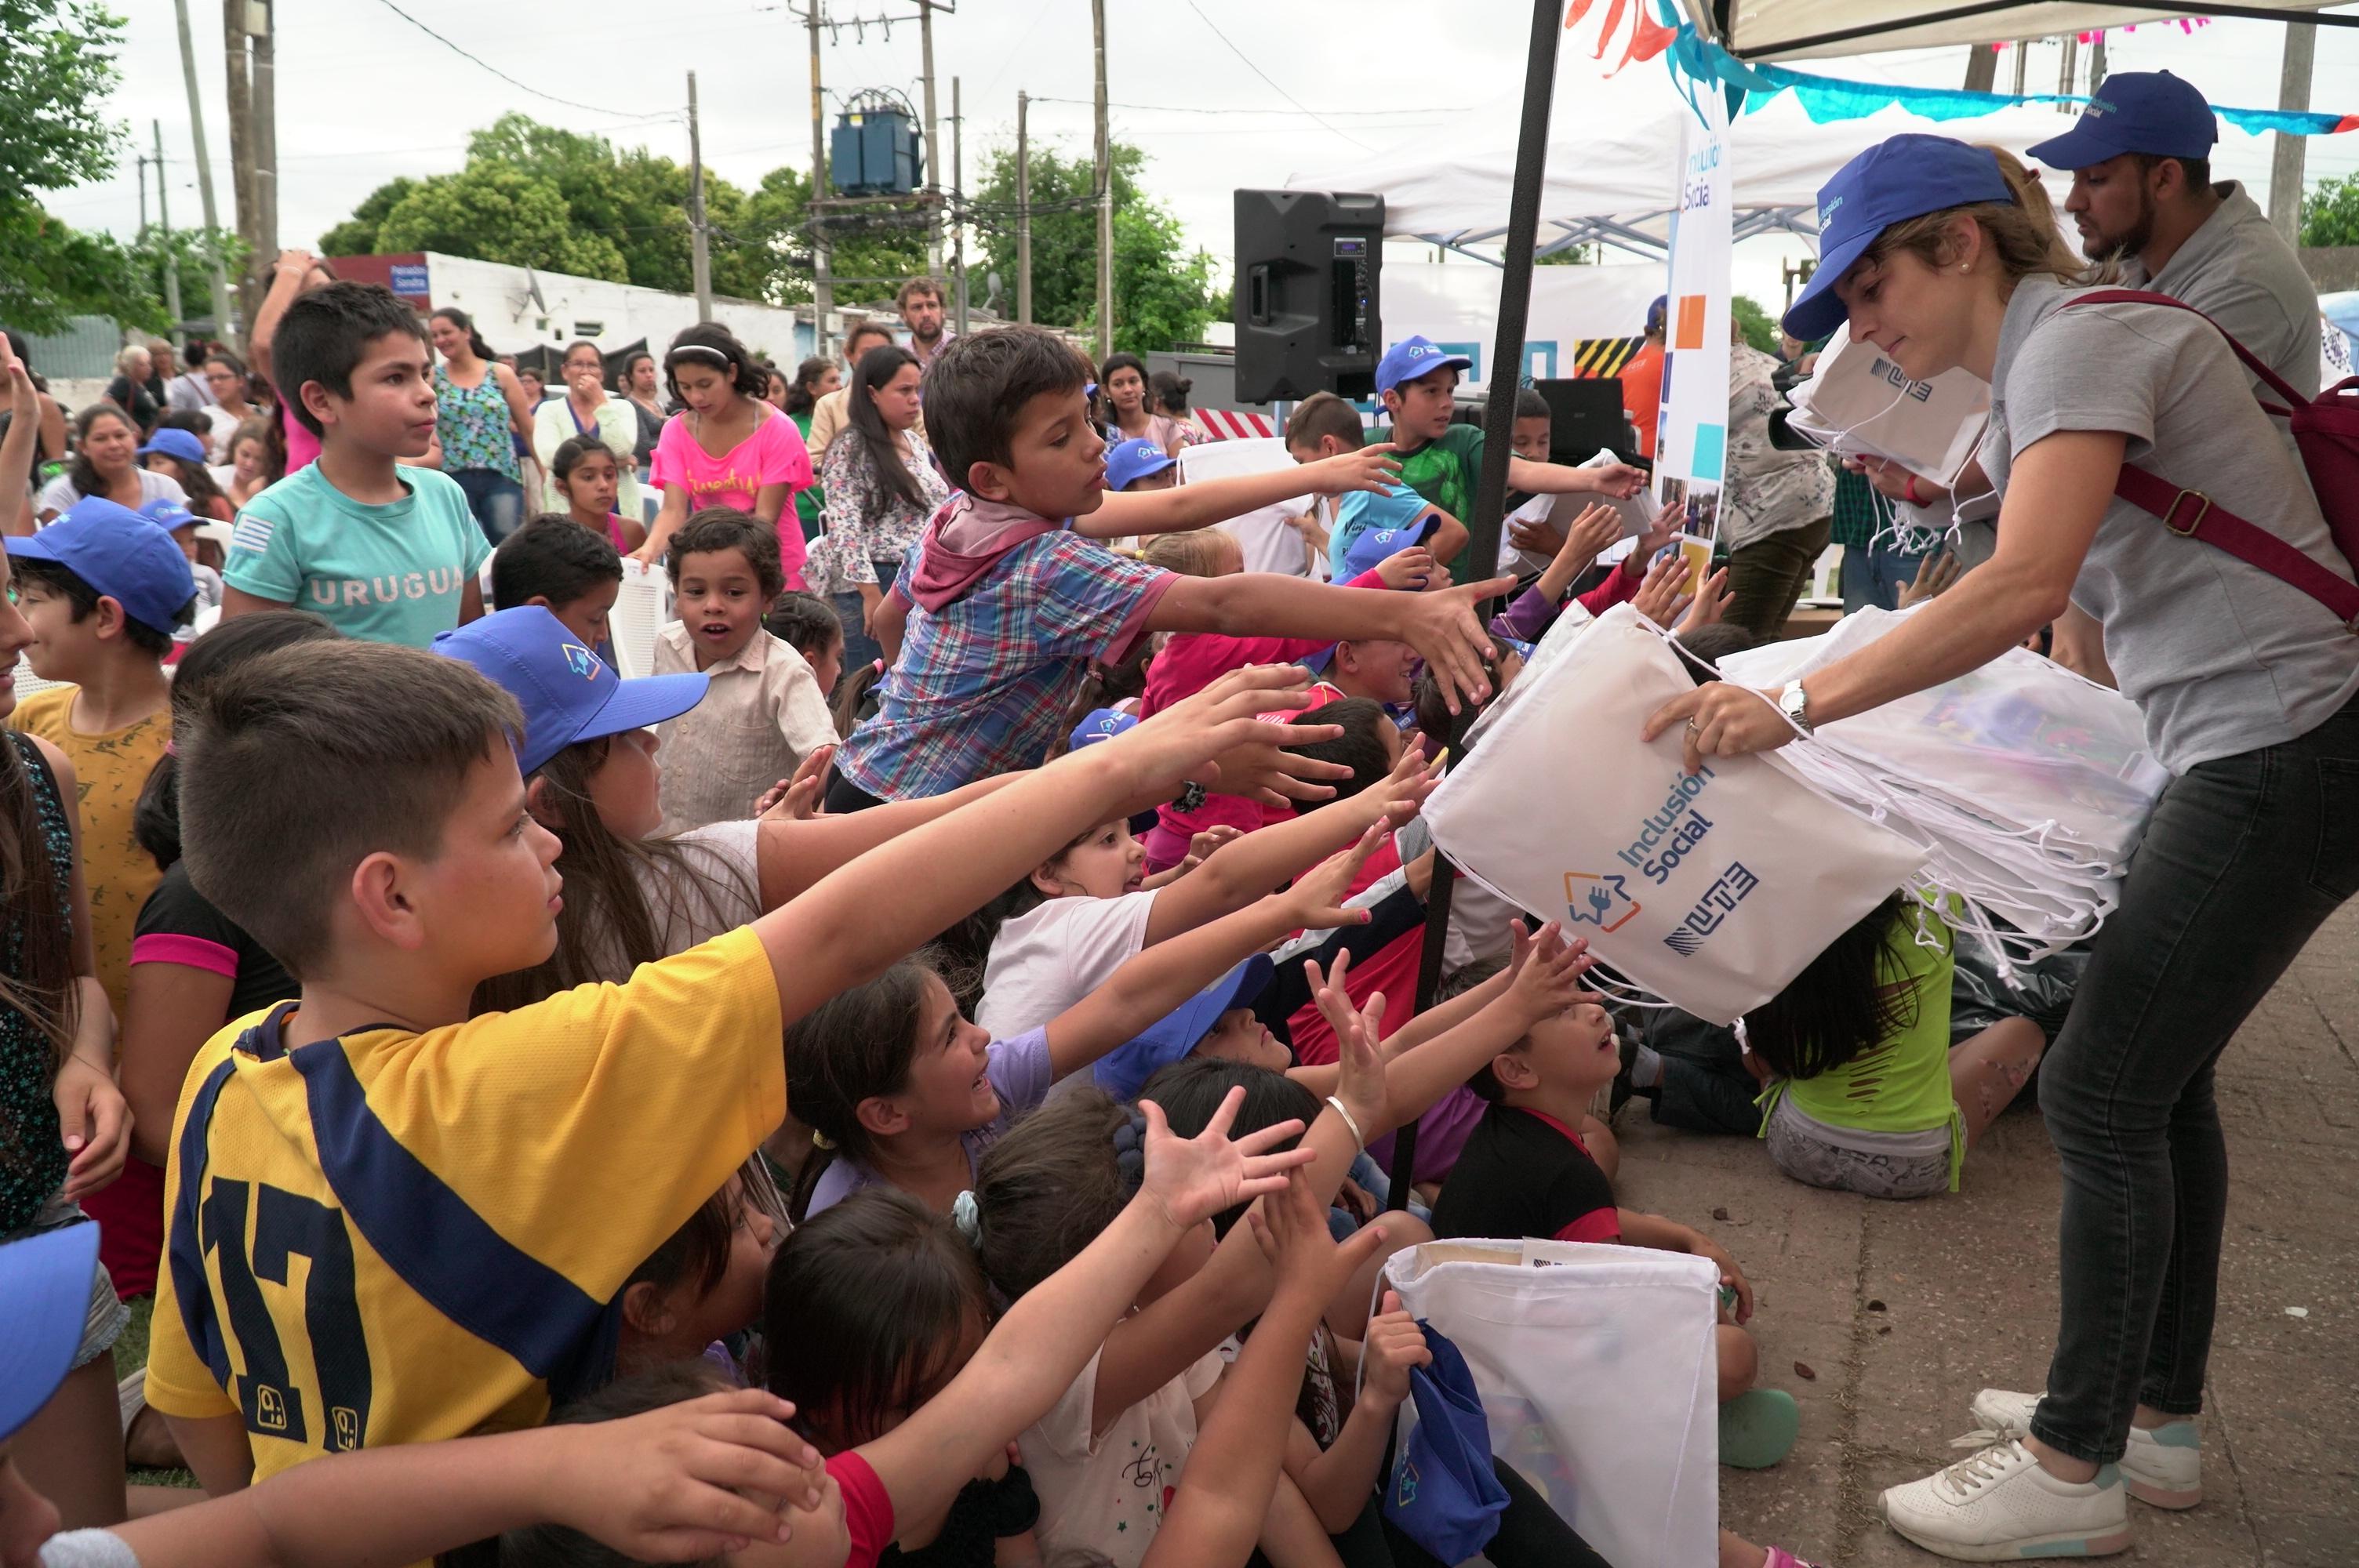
859, 647
496, 501
2245, 856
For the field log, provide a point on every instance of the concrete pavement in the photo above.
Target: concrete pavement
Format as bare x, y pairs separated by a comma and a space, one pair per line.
1902, 1311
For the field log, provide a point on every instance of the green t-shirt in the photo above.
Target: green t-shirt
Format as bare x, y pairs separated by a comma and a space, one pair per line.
1444, 470
1902, 1083
383, 574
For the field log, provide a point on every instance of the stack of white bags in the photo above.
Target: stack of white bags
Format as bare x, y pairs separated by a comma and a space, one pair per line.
2027, 786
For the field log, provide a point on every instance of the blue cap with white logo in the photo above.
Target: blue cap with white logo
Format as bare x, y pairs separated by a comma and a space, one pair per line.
182, 444
1372, 550
2149, 111
1899, 178
1127, 463
1124, 1071
168, 514
1100, 724
568, 693
123, 556
1413, 357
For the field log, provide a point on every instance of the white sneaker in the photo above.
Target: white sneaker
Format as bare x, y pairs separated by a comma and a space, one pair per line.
2000, 1505
2164, 1467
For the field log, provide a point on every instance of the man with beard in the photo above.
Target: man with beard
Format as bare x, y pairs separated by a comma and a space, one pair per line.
920, 304
2143, 198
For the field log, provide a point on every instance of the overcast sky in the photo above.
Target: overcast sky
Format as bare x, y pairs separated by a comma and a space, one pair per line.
363, 95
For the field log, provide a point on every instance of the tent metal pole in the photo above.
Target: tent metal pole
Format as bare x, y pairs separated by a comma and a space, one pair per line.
1505, 379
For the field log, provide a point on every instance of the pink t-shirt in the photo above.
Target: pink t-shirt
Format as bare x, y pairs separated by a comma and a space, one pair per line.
302, 447
773, 454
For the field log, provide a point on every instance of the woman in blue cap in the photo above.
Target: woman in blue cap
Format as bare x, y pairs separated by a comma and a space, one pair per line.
1945, 256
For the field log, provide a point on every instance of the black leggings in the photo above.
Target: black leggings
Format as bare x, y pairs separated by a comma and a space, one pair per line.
1531, 1535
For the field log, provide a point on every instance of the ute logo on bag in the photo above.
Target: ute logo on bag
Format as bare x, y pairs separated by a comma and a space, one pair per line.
1590, 898
1724, 894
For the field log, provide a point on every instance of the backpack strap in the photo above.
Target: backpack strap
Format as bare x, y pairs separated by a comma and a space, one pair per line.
2191, 514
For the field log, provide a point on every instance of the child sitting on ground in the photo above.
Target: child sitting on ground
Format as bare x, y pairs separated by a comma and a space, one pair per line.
1006, 606
584, 470
1864, 1092
766, 710
1526, 1171
385, 552
404, 869
897, 1089
566, 569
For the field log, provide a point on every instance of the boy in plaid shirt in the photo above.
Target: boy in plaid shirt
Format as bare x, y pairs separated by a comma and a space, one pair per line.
1005, 605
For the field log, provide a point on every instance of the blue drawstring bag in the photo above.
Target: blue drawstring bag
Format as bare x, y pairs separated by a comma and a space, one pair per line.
1444, 1494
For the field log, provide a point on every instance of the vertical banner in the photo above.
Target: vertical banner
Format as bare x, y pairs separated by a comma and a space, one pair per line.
1691, 432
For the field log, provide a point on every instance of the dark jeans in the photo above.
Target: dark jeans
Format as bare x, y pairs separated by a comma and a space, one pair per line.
2244, 858
859, 647
496, 501
1768, 575
1872, 574
1705, 1088
844, 796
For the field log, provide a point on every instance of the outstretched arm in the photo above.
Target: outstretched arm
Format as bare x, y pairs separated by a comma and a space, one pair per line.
1206, 501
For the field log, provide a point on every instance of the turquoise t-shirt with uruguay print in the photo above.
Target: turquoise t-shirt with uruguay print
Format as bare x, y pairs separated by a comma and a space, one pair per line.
383, 574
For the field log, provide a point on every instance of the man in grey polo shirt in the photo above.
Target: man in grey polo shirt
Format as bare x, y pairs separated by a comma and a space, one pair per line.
2143, 197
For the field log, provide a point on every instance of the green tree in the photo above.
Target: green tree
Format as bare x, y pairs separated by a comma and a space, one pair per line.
498, 212
2329, 212
1760, 331
1162, 293
1577, 257
57, 66
357, 236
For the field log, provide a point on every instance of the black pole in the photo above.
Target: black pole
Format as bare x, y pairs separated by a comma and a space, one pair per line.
1507, 378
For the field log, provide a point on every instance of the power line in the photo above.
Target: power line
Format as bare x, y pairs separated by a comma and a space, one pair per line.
1257, 70
1198, 109
495, 70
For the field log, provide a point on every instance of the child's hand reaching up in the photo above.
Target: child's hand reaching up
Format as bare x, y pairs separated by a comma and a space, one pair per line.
1315, 902
1393, 1345
1371, 467
1658, 597
1550, 979
1596, 528
1661, 532
1359, 1053
1414, 568
1711, 602
1311, 1266
1447, 634
1402, 793
1179, 745
668, 1485
1193, 1179
796, 799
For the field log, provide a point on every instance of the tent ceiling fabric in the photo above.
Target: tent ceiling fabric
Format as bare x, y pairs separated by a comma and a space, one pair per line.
1785, 29
1616, 167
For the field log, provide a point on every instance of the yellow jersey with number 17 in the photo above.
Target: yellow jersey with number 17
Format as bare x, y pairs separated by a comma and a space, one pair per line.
395, 1237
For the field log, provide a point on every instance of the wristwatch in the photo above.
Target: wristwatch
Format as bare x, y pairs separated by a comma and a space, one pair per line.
1190, 798
1795, 704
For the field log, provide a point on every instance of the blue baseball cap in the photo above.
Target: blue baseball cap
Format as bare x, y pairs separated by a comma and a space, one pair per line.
123, 556
1130, 461
1124, 1071
2149, 111
182, 444
1413, 357
568, 693
168, 514
1372, 549
1658, 312
1899, 178
1101, 724
45, 1286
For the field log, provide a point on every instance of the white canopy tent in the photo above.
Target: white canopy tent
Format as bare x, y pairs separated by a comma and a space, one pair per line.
1797, 30
1610, 175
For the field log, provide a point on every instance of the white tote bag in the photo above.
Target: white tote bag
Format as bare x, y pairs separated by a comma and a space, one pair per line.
1858, 403
1599, 1381
1711, 891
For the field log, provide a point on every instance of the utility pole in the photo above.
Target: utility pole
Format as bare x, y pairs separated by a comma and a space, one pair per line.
700, 255
2096, 64
1106, 193
2022, 49
2293, 93
164, 217
265, 123
1023, 212
1981, 66
958, 202
220, 278
823, 283
933, 140
241, 161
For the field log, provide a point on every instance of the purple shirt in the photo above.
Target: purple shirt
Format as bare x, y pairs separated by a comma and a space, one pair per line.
1020, 1072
